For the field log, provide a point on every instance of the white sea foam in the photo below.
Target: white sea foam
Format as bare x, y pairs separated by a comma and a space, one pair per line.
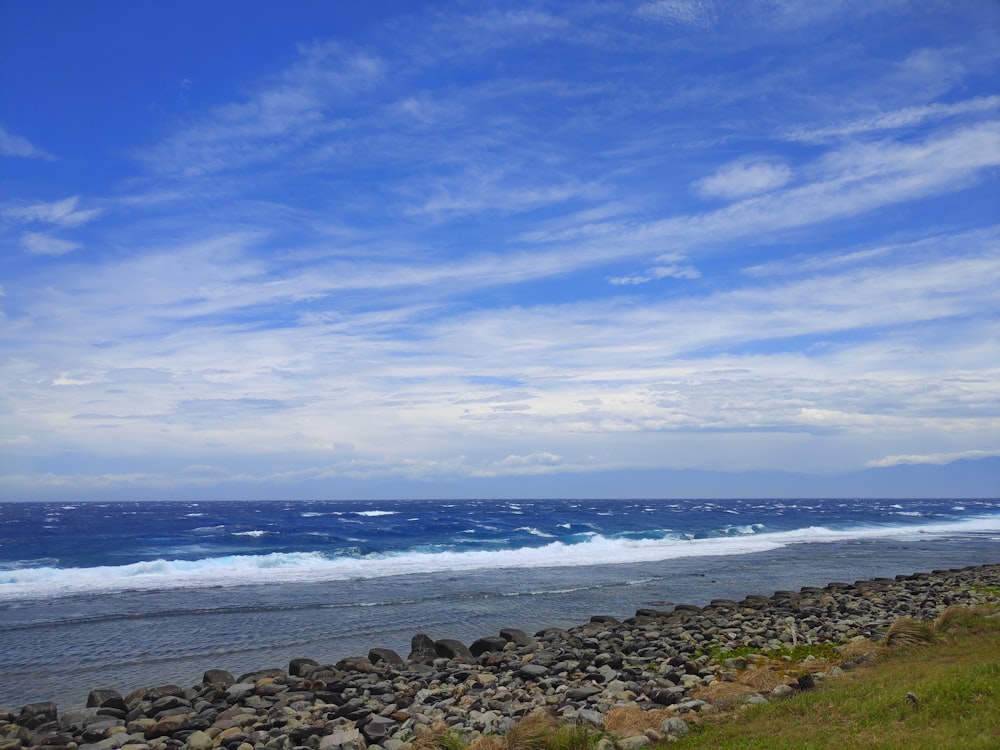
374, 513
254, 533
235, 570
535, 532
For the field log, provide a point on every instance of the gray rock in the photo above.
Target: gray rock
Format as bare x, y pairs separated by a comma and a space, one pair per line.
385, 656
782, 691
106, 698
589, 716
301, 667
240, 690
33, 715
379, 728
634, 743
485, 645
343, 739
218, 678
199, 740
449, 648
533, 671
355, 664
674, 727
517, 637
76, 720
583, 692
422, 649
161, 691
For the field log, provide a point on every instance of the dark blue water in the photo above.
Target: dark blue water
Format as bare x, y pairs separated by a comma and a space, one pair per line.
125, 595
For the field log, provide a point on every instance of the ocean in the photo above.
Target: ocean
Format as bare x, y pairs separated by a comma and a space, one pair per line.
124, 595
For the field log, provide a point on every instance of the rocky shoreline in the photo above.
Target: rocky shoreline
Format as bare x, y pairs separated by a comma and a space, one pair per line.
663, 663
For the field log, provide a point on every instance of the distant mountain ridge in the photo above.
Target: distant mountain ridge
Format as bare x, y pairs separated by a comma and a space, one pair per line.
962, 478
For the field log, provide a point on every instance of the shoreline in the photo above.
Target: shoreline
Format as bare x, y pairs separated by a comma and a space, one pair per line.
657, 660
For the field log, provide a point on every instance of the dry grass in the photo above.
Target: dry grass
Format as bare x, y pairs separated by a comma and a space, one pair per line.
858, 649
762, 680
725, 694
530, 733
438, 736
629, 721
957, 616
909, 632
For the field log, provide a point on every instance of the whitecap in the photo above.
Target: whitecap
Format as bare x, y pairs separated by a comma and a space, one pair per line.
236, 570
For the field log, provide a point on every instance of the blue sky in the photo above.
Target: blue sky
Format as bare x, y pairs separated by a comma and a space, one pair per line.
401, 249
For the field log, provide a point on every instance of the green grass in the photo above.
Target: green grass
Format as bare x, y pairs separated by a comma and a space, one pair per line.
823, 650
955, 677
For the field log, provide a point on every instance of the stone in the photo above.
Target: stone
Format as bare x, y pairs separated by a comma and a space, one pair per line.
199, 740
301, 667
605, 619
378, 729
533, 671
355, 664
634, 743
217, 678
589, 716
422, 649
782, 691
155, 693
346, 738
449, 648
33, 715
583, 692
164, 727
674, 727
385, 656
240, 690
106, 698
485, 645
517, 637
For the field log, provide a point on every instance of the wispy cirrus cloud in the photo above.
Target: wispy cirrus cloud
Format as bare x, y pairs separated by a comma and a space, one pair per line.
906, 117
743, 179
63, 213
15, 145
689, 13
306, 100
845, 182
39, 243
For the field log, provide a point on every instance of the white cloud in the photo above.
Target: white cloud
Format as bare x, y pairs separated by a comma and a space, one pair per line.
37, 243
15, 145
744, 179
897, 119
62, 213
655, 273
931, 458
284, 114
689, 13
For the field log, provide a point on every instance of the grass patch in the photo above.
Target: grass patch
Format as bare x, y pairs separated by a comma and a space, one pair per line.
539, 731
825, 650
952, 668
